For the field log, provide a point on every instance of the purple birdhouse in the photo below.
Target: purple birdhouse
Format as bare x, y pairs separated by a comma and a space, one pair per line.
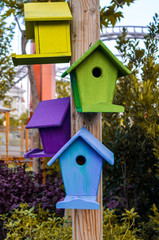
81, 160
52, 118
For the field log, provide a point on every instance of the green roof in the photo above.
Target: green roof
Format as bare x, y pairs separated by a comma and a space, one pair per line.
122, 70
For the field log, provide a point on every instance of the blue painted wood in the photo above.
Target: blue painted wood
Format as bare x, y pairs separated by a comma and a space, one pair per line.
81, 160
102, 150
78, 179
82, 202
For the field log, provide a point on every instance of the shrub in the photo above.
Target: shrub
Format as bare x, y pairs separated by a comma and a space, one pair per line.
17, 185
123, 227
27, 223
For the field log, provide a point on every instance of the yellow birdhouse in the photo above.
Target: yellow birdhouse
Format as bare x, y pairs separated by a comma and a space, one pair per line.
47, 24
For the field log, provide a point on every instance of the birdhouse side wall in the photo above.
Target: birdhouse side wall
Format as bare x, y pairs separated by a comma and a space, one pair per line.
96, 89
75, 89
81, 180
52, 37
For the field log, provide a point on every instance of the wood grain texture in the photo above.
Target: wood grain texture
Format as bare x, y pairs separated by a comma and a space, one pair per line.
87, 224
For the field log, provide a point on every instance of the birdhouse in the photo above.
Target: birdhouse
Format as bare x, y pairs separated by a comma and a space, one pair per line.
52, 118
93, 79
81, 160
47, 24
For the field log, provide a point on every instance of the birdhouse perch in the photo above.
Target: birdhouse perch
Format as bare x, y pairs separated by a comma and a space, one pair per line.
52, 118
81, 160
93, 79
47, 24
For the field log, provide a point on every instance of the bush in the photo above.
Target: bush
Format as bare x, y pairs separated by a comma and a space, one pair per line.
17, 185
122, 227
27, 223
128, 225
30, 223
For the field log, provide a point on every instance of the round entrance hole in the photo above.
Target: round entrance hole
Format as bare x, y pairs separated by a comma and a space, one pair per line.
97, 72
80, 160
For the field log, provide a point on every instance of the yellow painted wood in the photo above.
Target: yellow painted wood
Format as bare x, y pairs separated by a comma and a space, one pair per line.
54, 37
36, 33
29, 59
47, 11
29, 30
48, 24
50, 11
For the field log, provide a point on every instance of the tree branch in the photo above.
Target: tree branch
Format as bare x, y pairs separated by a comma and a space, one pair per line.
16, 19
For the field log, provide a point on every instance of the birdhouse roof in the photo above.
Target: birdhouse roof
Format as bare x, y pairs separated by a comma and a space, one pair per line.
122, 70
50, 113
50, 11
92, 141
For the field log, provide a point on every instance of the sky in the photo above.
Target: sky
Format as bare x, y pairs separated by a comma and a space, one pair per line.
139, 13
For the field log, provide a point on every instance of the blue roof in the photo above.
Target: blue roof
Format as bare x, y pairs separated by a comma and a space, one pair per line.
93, 142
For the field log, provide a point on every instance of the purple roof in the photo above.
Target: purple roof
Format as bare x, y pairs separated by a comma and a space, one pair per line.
50, 113
93, 142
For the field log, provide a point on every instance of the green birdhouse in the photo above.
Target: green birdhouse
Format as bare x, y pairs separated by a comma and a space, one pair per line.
48, 25
93, 79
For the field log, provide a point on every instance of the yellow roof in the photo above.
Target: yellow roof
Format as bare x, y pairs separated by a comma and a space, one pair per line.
50, 11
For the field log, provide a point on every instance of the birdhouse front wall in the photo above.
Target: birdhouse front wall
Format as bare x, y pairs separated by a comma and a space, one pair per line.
52, 37
81, 169
54, 138
96, 78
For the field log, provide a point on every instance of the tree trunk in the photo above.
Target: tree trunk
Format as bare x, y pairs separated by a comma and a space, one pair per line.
35, 99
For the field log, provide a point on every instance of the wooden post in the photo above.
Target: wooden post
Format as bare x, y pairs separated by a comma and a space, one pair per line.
22, 139
27, 139
44, 171
85, 31
7, 134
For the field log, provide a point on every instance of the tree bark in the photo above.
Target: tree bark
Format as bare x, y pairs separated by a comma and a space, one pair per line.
35, 99
87, 224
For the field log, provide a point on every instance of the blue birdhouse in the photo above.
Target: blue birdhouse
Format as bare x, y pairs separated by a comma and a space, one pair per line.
81, 160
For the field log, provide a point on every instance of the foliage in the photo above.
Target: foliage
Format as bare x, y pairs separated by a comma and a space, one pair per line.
109, 15
14, 121
154, 219
24, 117
63, 88
29, 223
116, 228
128, 225
133, 135
17, 185
6, 66
26, 222
8, 102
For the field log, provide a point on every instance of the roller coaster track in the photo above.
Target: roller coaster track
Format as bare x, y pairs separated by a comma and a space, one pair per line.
133, 32
107, 34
